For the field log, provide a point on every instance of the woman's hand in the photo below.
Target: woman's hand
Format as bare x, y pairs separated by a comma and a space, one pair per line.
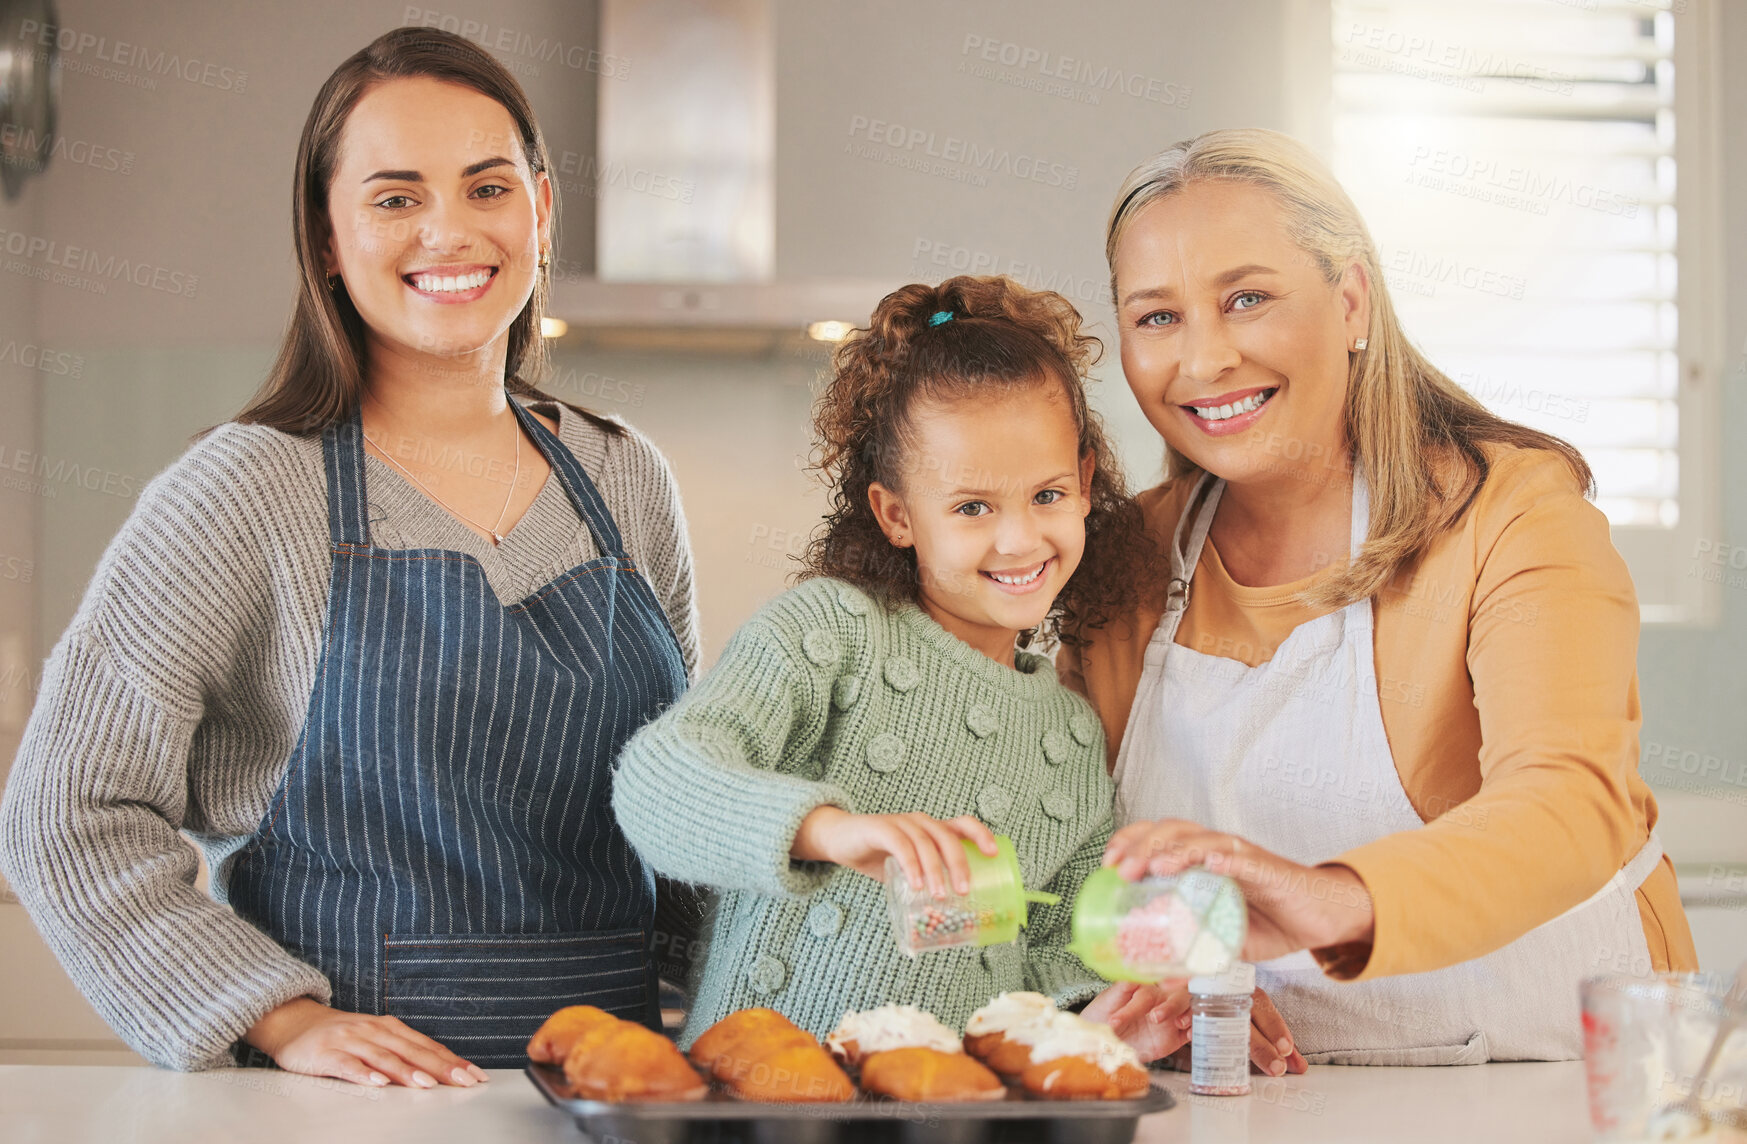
1292, 907
1271, 1046
1155, 1021
305, 1036
928, 849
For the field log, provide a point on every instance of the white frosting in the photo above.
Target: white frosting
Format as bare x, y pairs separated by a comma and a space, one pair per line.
1068, 1035
1030, 1032
893, 1027
1007, 1011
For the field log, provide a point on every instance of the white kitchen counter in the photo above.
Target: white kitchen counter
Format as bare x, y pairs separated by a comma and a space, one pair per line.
51, 1104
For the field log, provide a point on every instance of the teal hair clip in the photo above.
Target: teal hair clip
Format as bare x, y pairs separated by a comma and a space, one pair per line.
939, 317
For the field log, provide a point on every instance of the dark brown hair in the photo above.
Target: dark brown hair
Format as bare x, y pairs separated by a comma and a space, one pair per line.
318, 377
1002, 339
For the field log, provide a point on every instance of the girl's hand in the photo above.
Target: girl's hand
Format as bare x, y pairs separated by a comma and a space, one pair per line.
305, 1036
1292, 907
928, 849
1153, 1019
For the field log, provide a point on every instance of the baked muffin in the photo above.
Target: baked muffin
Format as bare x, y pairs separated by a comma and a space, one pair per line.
928, 1074
762, 1055
989, 1035
889, 1027
731, 1044
553, 1040
1076, 1059
625, 1061
792, 1073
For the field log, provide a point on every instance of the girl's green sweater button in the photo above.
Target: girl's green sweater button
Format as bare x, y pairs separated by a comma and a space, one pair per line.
901, 673
845, 692
821, 647
993, 804
825, 919
982, 720
1059, 804
885, 752
767, 974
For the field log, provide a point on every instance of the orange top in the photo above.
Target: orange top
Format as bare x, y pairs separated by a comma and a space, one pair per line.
1507, 674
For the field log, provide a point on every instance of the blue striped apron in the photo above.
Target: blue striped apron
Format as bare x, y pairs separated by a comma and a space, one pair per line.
443, 845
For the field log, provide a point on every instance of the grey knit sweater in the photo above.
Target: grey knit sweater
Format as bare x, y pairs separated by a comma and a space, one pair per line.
175, 698
826, 697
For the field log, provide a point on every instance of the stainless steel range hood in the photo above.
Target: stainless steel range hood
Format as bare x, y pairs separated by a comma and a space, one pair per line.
685, 183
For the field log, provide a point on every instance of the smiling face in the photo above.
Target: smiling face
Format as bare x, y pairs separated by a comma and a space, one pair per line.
994, 499
437, 219
1233, 342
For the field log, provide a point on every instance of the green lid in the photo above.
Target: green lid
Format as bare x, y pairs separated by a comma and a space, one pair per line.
998, 885
1098, 907
1209, 902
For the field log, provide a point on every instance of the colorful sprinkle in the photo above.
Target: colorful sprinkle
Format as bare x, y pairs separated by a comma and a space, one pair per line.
942, 926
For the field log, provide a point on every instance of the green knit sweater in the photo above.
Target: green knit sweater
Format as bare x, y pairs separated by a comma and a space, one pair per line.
826, 697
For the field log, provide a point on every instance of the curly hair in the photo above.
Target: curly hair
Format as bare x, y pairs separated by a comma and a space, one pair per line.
1003, 339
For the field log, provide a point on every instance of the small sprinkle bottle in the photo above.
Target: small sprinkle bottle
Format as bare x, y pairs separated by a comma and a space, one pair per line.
1219, 1034
990, 914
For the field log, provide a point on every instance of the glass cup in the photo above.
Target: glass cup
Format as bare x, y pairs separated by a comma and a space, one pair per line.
1645, 1040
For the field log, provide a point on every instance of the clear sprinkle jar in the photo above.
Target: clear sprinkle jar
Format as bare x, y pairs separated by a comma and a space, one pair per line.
1219, 1033
990, 914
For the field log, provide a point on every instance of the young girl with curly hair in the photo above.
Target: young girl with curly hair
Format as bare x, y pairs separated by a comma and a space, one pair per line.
886, 706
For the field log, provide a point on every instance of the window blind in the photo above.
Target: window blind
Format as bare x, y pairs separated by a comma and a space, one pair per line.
1515, 162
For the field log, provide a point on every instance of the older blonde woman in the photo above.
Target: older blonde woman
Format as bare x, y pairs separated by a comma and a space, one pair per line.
1388, 678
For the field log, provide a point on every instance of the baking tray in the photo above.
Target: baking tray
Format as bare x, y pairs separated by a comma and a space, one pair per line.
722, 1119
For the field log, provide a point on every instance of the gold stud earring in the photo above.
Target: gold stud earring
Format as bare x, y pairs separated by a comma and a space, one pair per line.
545, 258
333, 282
1360, 344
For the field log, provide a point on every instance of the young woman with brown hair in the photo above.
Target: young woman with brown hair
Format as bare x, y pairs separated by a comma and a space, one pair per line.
374, 645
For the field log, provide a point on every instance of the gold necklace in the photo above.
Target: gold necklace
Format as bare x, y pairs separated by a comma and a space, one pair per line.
496, 536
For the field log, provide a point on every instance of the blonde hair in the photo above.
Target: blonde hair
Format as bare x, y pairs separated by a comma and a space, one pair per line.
1402, 413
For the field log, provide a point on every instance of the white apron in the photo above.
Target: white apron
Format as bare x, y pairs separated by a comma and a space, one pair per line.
1292, 756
